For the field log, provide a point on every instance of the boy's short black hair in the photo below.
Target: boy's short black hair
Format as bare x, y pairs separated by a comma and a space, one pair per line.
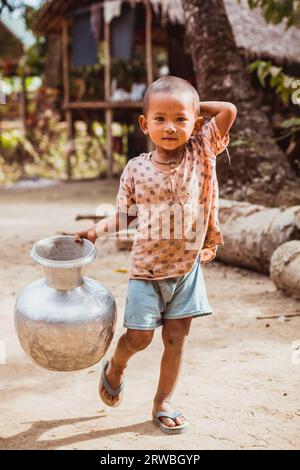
170, 84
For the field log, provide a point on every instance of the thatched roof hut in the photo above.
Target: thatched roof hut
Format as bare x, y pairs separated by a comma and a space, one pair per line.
252, 34
258, 38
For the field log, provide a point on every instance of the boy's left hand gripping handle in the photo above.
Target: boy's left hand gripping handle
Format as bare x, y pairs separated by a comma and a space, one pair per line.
89, 234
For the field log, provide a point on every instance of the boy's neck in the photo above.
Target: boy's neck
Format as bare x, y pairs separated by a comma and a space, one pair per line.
166, 155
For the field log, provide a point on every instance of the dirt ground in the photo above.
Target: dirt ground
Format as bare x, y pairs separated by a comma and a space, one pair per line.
239, 386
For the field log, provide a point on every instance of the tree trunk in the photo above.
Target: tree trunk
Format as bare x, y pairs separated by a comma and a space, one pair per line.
253, 232
285, 268
259, 169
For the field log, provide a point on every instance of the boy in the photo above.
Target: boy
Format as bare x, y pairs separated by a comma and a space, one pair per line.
166, 286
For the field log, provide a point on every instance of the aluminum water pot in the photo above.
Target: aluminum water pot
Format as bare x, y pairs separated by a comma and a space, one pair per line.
65, 321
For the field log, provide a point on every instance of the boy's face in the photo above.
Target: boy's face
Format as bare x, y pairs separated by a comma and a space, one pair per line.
171, 120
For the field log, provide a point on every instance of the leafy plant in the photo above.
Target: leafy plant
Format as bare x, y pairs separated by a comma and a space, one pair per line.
44, 155
283, 84
291, 127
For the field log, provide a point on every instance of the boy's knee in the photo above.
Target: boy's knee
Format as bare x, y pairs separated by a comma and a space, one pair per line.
174, 338
137, 340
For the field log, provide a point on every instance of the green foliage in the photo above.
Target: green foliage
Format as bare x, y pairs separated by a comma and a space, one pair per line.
292, 123
290, 126
291, 131
275, 11
283, 84
34, 59
44, 155
239, 141
16, 152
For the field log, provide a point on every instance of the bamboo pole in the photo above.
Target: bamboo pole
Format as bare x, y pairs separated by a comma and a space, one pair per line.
107, 95
66, 84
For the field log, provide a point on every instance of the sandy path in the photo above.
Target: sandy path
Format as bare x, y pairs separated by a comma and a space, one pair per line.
239, 385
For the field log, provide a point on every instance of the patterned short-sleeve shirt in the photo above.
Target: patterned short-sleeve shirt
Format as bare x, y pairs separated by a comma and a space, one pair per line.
177, 209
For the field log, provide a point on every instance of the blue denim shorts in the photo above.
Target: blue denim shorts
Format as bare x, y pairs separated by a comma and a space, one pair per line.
149, 302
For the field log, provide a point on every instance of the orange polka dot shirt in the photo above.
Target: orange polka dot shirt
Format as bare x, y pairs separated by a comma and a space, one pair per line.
177, 209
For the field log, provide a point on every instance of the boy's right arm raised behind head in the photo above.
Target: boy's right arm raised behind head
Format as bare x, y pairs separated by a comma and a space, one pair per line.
105, 227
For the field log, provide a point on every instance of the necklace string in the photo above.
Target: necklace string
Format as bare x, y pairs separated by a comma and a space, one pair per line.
171, 162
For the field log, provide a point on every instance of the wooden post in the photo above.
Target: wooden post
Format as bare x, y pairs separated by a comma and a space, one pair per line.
65, 56
148, 39
149, 63
23, 103
70, 148
70, 151
107, 95
2, 101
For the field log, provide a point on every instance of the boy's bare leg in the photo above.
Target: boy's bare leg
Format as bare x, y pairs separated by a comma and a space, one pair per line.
174, 334
128, 345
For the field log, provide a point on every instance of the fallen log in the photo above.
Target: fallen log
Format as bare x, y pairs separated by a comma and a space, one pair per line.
275, 317
252, 232
95, 218
124, 239
103, 211
285, 268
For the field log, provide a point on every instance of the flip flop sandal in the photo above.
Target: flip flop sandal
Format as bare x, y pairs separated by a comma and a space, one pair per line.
112, 391
178, 429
